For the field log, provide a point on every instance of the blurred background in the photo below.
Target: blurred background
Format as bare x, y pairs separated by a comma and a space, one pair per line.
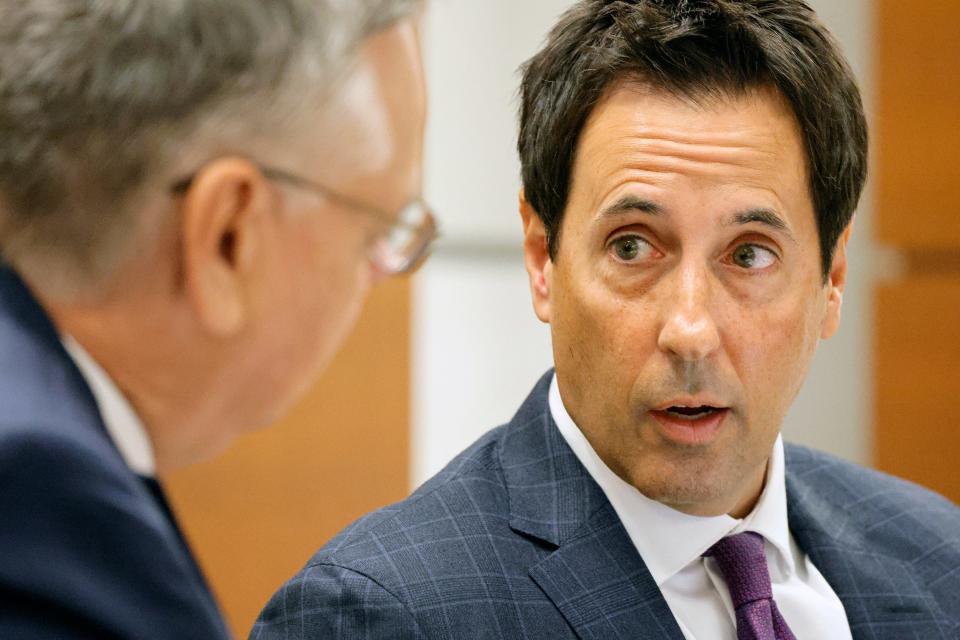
439, 359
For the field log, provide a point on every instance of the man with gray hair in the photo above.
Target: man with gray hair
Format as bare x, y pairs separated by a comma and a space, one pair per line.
195, 197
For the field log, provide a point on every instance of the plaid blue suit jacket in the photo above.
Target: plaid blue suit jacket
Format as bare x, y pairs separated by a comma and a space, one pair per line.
515, 540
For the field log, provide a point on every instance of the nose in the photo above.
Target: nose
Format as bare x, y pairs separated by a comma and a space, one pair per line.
689, 331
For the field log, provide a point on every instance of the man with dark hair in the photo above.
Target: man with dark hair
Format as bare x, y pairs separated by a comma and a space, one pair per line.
195, 198
690, 172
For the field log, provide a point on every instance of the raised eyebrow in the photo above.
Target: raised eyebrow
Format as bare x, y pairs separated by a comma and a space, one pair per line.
766, 217
628, 203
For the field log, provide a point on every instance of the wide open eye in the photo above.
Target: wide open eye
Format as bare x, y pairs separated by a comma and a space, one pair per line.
630, 248
753, 256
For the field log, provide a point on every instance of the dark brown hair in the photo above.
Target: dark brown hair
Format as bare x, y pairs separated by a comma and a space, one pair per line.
694, 48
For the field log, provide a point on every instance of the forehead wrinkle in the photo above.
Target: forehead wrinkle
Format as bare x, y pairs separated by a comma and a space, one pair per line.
659, 144
658, 115
661, 174
705, 151
622, 126
613, 171
699, 157
606, 204
655, 156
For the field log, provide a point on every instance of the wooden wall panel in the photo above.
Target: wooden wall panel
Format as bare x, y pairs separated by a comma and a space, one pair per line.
917, 368
917, 178
917, 123
257, 513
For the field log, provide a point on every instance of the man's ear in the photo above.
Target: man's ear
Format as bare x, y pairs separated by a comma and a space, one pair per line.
536, 257
836, 281
220, 218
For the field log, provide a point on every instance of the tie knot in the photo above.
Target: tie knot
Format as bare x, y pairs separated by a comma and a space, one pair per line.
743, 564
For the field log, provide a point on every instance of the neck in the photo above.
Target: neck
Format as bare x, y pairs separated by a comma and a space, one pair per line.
140, 345
751, 496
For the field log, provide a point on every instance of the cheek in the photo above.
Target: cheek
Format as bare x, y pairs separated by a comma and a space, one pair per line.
601, 342
338, 290
327, 279
774, 350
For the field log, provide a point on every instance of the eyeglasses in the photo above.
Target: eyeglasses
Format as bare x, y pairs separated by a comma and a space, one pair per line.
403, 244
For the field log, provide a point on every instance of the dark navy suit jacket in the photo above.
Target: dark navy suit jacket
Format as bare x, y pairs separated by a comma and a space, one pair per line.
87, 548
515, 540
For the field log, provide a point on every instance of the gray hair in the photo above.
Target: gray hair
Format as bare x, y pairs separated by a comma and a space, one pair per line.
98, 95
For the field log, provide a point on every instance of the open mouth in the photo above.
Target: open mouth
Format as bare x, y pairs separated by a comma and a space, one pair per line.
691, 425
691, 413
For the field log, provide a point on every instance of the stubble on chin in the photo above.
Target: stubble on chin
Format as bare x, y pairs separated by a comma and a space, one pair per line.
693, 481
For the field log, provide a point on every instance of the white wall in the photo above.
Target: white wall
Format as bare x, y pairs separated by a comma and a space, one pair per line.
477, 347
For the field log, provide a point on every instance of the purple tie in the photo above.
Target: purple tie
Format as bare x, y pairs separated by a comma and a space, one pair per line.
744, 567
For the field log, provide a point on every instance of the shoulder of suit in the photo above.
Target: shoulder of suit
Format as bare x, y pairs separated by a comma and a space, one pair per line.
869, 495
41, 446
470, 485
51, 477
59, 482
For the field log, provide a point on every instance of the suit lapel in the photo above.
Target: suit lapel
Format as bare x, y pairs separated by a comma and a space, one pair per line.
186, 553
160, 498
594, 575
602, 587
880, 594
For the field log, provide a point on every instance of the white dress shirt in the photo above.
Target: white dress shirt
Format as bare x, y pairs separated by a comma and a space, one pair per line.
122, 422
672, 543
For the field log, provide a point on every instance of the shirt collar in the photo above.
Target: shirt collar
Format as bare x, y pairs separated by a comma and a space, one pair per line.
669, 540
122, 423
